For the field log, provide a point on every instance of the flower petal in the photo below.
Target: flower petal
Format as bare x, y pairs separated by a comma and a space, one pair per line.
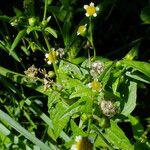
94, 14
49, 62
85, 6
97, 8
46, 55
87, 14
91, 4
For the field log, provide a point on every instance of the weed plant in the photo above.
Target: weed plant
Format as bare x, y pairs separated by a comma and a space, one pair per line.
74, 75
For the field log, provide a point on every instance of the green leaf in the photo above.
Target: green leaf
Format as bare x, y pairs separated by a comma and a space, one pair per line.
51, 31
137, 76
82, 92
4, 130
145, 15
131, 101
143, 67
22, 130
74, 108
5, 18
132, 53
53, 97
18, 38
70, 69
117, 137
105, 76
58, 122
65, 3
45, 118
76, 130
33, 28
137, 127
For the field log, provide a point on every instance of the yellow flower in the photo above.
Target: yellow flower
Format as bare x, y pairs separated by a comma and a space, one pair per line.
91, 10
81, 30
95, 85
82, 143
51, 57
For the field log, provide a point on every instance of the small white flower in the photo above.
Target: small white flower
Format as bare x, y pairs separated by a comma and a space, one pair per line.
91, 10
49, 62
46, 55
95, 86
51, 57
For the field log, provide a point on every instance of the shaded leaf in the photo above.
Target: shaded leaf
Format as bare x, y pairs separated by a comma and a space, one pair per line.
137, 127
145, 15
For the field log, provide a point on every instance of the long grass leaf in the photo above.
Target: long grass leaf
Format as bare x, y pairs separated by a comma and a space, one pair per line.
22, 130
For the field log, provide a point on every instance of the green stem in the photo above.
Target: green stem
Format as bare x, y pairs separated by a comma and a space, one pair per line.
47, 42
91, 38
89, 59
45, 9
89, 124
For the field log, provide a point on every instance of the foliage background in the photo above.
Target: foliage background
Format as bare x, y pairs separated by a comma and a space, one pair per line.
119, 27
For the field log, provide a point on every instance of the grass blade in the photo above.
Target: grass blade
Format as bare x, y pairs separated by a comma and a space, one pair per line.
23, 131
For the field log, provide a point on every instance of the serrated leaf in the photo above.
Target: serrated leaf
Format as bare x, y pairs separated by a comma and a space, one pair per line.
145, 15
131, 101
58, 122
74, 108
117, 137
82, 92
70, 69
51, 31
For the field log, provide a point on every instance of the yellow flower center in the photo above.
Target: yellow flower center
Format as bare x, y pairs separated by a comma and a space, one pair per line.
96, 85
91, 10
84, 144
52, 56
81, 29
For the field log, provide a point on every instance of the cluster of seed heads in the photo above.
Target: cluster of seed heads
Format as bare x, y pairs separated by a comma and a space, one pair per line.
96, 69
